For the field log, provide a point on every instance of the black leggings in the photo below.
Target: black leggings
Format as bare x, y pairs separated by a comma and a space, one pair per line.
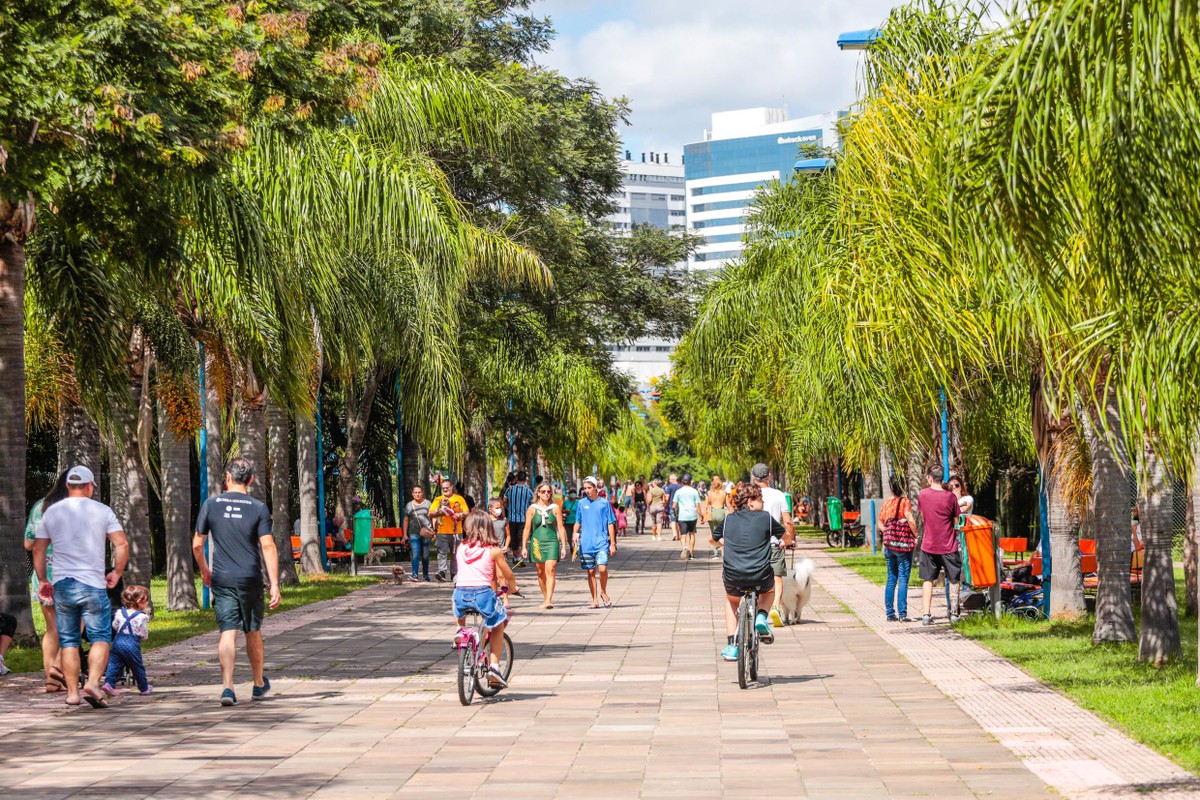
8, 625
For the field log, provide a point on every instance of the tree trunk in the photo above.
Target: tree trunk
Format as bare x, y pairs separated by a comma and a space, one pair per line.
914, 481
885, 473
129, 489
358, 415
1110, 519
213, 470
474, 470
410, 465
14, 587
1066, 593
1159, 639
1194, 490
78, 440
307, 473
175, 460
1190, 558
872, 487
281, 479
252, 430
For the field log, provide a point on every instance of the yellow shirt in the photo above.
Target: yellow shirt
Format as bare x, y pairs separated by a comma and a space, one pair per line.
447, 524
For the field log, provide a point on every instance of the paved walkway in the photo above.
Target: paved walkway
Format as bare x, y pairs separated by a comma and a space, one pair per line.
626, 702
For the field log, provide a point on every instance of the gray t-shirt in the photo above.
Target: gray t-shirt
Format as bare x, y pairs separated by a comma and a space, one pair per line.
78, 527
418, 515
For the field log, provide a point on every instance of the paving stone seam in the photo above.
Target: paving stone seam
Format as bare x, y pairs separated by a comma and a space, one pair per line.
1072, 749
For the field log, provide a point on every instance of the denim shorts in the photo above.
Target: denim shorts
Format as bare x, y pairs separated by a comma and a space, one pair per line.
77, 602
482, 599
589, 561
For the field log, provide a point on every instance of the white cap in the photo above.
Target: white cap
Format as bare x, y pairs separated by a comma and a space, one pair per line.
80, 476
592, 481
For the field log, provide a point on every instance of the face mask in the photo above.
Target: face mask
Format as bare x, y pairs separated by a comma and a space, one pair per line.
496, 511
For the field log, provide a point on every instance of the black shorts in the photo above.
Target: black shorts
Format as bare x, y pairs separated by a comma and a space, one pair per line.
734, 588
931, 564
238, 609
687, 526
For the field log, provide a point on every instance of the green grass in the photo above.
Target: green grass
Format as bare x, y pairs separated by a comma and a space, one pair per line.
169, 627
809, 532
1155, 706
871, 567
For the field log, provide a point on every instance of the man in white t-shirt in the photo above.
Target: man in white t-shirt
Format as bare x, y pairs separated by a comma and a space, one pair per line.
78, 527
775, 503
685, 511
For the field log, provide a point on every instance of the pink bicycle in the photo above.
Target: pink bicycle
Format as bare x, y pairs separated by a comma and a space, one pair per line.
474, 661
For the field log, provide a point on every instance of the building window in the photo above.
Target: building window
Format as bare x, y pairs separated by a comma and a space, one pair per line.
716, 223
729, 187
637, 195
677, 198
718, 256
661, 349
679, 213
720, 205
722, 238
642, 348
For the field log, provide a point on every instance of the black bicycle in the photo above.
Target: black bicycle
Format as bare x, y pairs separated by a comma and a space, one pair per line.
746, 638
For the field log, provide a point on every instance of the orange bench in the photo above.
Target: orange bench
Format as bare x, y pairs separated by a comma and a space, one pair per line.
1014, 546
393, 537
329, 551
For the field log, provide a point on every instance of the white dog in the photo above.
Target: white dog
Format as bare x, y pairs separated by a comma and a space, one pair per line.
375, 556
797, 589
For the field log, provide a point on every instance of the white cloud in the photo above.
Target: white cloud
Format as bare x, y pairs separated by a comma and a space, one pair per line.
680, 60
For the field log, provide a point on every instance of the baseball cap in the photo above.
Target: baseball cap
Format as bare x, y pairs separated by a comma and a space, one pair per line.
80, 476
759, 471
592, 481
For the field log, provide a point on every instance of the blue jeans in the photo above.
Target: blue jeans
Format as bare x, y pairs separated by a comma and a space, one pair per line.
898, 567
76, 602
420, 555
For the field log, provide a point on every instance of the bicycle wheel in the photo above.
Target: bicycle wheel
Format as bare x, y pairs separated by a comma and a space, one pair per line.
831, 538
466, 674
506, 661
753, 654
745, 636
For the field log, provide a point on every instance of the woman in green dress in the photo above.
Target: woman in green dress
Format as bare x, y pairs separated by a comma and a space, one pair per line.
545, 539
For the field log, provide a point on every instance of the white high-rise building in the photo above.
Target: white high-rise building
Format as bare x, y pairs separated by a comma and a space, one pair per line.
652, 194
742, 151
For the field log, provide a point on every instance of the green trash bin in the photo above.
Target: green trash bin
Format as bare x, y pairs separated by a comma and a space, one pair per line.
835, 513
364, 525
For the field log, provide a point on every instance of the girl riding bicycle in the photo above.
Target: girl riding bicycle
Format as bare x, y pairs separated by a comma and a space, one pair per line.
479, 558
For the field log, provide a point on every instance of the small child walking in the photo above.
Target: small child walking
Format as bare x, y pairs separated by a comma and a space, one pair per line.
132, 625
479, 559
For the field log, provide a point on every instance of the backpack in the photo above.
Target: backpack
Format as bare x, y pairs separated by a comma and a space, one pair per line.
897, 535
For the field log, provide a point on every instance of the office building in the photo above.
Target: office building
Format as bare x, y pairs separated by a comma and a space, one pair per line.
743, 150
652, 194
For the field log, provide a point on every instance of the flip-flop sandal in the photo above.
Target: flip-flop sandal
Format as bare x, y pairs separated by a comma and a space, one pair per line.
55, 677
69, 703
94, 702
608, 603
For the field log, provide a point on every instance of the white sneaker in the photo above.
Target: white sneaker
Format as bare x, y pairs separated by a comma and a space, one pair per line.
4, 670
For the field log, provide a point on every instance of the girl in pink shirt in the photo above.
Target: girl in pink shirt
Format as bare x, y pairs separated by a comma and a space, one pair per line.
479, 558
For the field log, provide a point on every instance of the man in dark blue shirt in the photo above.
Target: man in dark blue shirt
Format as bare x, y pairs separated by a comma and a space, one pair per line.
595, 530
517, 500
239, 526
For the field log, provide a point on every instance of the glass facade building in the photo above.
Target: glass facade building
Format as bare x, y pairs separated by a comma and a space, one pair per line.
743, 151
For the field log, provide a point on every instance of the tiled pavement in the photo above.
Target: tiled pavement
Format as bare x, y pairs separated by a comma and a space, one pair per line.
626, 702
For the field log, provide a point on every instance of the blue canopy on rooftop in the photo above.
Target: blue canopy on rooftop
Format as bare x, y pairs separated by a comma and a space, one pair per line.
858, 40
814, 164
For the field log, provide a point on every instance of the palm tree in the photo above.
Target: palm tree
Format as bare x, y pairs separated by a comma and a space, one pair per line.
279, 454
174, 458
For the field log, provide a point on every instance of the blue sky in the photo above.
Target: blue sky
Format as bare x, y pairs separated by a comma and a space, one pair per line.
677, 61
